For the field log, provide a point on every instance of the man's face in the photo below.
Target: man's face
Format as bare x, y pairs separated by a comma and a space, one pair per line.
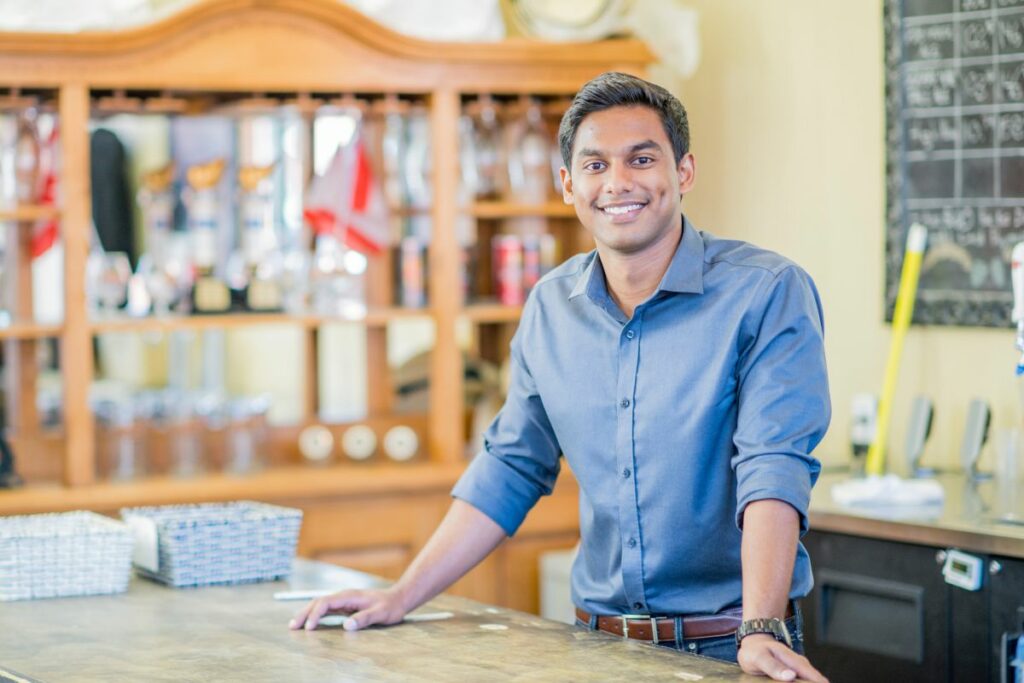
625, 182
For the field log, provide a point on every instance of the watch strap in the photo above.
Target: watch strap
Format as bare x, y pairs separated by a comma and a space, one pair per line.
772, 626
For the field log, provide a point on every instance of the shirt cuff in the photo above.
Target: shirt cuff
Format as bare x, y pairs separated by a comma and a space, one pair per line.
774, 476
496, 489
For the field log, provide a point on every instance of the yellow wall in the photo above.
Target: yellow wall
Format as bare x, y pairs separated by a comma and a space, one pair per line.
787, 116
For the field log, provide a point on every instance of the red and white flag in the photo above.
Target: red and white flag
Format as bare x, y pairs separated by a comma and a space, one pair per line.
348, 201
46, 232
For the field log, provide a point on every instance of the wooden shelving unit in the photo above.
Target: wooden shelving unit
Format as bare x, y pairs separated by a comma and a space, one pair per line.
27, 213
292, 48
290, 482
19, 330
500, 209
489, 312
375, 317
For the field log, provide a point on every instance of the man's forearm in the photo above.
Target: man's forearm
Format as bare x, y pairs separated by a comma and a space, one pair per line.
464, 538
771, 529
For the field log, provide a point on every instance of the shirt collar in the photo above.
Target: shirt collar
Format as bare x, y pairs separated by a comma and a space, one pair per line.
685, 273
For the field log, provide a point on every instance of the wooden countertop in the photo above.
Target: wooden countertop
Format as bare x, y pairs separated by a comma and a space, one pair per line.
239, 633
984, 517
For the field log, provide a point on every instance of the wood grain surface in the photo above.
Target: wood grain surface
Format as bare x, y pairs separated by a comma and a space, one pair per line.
239, 633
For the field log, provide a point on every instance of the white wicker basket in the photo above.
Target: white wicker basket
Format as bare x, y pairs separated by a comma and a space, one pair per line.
63, 554
216, 543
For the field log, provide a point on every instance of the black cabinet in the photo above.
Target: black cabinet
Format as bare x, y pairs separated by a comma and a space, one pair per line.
882, 611
1006, 591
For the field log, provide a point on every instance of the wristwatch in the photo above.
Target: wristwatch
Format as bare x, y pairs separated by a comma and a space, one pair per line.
773, 627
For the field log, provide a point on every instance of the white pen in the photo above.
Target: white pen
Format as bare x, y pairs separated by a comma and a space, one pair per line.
340, 619
302, 595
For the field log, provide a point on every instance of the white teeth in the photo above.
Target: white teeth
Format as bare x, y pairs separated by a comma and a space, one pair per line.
619, 210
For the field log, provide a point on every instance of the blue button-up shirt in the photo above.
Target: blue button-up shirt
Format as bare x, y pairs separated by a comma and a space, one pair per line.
713, 395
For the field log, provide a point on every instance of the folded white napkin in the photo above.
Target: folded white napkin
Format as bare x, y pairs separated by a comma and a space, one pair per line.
889, 490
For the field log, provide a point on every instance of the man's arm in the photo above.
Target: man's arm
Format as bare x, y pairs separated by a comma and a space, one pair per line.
464, 538
771, 529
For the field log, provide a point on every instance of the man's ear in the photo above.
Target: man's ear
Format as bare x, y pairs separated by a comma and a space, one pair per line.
563, 173
687, 170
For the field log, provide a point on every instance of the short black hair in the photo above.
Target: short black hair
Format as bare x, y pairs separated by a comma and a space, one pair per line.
615, 89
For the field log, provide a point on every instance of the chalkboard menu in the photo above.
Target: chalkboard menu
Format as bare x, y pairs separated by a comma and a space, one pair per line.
955, 162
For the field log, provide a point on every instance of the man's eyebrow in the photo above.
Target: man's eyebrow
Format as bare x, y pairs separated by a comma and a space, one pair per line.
638, 147
646, 144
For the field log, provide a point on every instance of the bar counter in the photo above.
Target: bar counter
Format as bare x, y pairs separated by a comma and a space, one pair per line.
240, 633
984, 517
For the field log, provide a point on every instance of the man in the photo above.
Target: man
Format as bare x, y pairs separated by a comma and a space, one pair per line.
683, 378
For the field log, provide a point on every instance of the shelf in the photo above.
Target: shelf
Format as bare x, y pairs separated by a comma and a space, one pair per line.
29, 212
290, 483
552, 209
376, 317
30, 331
490, 312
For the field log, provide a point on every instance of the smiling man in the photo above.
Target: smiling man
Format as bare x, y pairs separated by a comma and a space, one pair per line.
682, 376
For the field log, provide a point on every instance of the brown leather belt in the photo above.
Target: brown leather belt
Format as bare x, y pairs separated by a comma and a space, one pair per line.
663, 629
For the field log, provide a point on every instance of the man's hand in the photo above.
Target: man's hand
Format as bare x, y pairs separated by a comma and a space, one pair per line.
367, 607
762, 655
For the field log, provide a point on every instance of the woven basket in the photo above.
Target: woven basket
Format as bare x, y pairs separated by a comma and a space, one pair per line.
218, 543
63, 554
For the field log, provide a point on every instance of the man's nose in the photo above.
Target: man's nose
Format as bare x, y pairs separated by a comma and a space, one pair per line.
619, 179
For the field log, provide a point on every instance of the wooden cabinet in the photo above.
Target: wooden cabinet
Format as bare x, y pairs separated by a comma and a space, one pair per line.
371, 517
881, 610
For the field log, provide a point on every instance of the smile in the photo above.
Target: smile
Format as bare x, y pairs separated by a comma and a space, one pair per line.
622, 209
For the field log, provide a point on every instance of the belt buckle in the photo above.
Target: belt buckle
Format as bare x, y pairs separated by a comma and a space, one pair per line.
625, 622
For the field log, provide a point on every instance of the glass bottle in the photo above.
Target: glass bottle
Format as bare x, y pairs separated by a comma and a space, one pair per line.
158, 266
416, 165
337, 278
121, 451
529, 156
259, 239
209, 294
488, 162
184, 435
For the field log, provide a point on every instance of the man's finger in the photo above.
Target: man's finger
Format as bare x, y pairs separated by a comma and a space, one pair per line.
800, 664
345, 601
773, 668
300, 617
363, 618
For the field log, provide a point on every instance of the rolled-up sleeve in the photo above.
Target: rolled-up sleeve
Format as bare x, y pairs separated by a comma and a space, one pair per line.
783, 401
520, 460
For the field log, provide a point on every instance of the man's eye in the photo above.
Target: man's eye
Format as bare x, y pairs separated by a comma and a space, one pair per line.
594, 166
643, 161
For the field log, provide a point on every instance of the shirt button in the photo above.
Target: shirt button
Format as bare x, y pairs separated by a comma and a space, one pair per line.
630, 334
632, 543
624, 403
625, 473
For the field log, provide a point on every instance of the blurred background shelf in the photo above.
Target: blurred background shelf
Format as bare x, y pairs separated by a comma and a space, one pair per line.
502, 209
29, 212
23, 330
278, 483
492, 312
375, 317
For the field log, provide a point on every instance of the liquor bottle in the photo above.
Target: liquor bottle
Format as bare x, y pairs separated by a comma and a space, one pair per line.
209, 293
486, 160
259, 239
161, 265
529, 156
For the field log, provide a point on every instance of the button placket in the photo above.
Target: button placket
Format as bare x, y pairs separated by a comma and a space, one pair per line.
629, 513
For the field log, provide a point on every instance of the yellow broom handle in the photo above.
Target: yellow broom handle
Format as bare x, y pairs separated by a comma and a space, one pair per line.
916, 240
